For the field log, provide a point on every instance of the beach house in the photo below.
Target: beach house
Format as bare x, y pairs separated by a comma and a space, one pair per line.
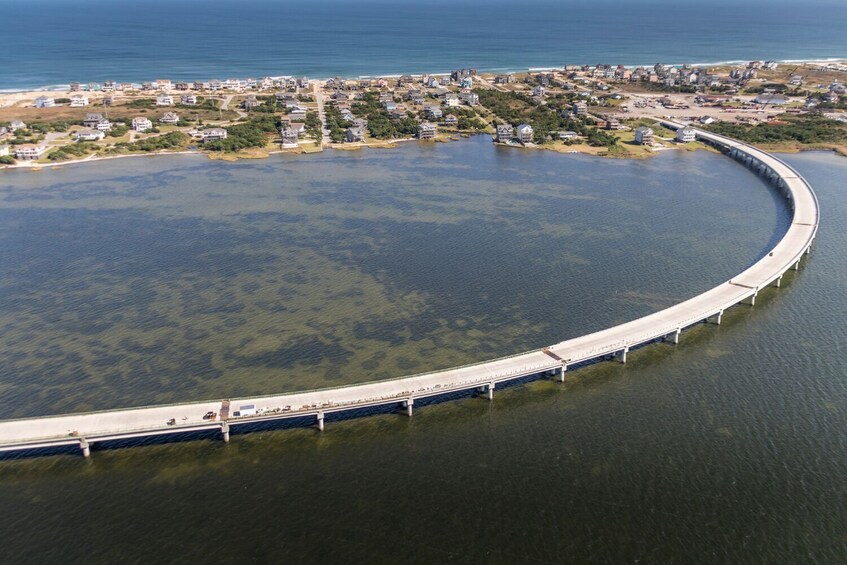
164, 100
643, 135
141, 124
45, 102
89, 135
29, 151
505, 133
354, 134
434, 112
525, 133
685, 135
214, 134
427, 130
79, 101
289, 137
170, 118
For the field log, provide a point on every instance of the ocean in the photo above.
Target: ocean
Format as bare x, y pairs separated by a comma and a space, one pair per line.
48, 43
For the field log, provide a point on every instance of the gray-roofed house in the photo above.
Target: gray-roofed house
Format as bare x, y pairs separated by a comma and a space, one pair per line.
643, 135
170, 118
427, 130
505, 133
354, 134
434, 112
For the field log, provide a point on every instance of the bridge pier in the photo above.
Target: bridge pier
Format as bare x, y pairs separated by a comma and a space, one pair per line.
225, 431
408, 405
621, 355
716, 319
85, 447
562, 370
778, 282
751, 300
797, 265
320, 421
673, 337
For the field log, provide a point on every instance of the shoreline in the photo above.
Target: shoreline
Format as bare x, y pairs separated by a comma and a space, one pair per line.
393, 74
232, 158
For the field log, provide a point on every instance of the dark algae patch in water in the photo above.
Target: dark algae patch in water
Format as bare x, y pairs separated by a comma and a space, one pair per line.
128, 283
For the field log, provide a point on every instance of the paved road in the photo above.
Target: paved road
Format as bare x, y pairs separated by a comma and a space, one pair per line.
319, 99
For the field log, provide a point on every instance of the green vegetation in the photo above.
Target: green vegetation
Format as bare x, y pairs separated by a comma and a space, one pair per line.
805, 129
118, 130
268, 105
72, 150
141, 103
775, 86
515, 108
249, 134
380, 124
59, 126
468, 120
7, 160
313, 126
170, 140
660, 87
337, 127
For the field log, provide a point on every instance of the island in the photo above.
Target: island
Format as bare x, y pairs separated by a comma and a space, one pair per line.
604, 110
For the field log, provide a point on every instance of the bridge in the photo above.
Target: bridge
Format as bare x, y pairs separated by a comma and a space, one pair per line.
221, 417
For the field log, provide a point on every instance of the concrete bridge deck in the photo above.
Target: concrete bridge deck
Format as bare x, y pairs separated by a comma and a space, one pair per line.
85, 429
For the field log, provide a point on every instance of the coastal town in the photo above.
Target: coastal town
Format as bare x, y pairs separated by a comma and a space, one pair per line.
604, 110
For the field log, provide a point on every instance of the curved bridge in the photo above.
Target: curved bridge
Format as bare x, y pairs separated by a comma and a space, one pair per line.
82, 430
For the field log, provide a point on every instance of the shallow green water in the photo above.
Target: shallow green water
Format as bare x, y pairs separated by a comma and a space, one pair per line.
145, 281
729, 447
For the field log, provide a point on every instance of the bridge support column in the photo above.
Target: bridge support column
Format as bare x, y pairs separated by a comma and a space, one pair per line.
490, 391
621, 355
778, 282
673, 337
408, 404
751, 300
797, 265
85, 447
562, 370
321, 421
225, 431
716, 319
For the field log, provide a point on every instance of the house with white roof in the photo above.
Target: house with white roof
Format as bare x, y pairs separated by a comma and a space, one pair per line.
45, 102
30, 151
686, 135
214, 134
141, 124
89, 135
525, 133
